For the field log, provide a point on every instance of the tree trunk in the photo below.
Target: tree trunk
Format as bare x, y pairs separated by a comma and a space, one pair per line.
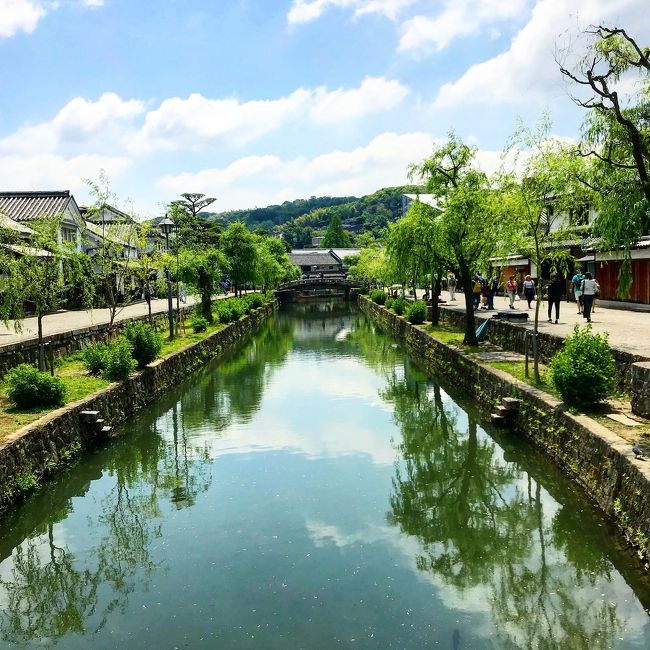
538, 302
206, 295
470, 320
435, 292
41, 347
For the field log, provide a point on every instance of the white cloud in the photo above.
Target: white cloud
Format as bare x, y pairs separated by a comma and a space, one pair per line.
49, 171
80, 122
382, 162
458, 18
19, 16
24, 15
375, 94
527, 70
304, 11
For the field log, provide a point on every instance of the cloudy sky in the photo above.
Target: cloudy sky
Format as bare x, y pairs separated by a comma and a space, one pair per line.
260, 101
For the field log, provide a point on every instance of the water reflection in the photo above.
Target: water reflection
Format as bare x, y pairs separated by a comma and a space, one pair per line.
248, 509
490, 532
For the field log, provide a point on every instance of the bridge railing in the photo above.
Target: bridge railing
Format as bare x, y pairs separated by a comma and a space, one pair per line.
319, 282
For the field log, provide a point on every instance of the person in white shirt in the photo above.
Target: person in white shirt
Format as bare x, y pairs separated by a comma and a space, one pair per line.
588, 288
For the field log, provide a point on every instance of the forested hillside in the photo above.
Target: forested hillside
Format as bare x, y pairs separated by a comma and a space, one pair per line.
299, 220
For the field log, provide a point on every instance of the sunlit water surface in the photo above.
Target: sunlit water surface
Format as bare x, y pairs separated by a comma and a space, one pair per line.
315, 490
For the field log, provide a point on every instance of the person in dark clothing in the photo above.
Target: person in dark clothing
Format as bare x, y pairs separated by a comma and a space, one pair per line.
554, 296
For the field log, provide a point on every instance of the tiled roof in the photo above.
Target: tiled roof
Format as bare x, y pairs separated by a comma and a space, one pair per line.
9, 224
26, 206
312, 257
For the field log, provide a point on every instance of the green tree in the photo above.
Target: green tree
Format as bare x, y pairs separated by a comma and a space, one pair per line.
537, 206
336, 236
616, 135
201, 270
238, 246
467, 228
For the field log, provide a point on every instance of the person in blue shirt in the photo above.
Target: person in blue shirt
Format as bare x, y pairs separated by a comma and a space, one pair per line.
576, 285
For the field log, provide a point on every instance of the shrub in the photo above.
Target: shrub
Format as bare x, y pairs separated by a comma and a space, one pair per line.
145, 341
237, 308
416, 313
199, 324
95, 358
224, 312
254, 300
119, 360
583, 371
378, 296
389, 303
27, 386
399, 305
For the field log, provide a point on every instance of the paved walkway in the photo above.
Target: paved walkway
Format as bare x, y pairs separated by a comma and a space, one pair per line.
66, 321
628, 330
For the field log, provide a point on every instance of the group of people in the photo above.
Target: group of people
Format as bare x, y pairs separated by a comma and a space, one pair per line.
584, 288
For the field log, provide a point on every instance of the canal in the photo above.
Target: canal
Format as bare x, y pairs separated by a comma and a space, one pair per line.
315, 490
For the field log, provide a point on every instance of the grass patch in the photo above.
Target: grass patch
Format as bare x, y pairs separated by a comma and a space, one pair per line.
446, 333
518, 370
182, 339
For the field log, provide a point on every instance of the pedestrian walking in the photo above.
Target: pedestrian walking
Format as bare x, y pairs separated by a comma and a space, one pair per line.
511, 290
477, 289
576, 284
529, 289
451, 286
554, 291
493, 287
588, 288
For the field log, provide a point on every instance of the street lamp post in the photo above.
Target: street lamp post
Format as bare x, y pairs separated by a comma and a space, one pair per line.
167, 227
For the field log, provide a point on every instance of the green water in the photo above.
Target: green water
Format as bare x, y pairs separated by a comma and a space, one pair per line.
315, 490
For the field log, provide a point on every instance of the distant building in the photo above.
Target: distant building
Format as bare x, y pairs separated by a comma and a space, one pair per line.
317, 241
316, 262
23, 207
427, 199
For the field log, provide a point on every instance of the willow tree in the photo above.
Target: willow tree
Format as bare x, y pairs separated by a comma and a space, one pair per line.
543, 206
612, 80
414, 246
238, 247
467, 226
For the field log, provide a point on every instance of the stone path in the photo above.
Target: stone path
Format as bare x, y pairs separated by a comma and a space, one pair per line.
66, 321
628, 330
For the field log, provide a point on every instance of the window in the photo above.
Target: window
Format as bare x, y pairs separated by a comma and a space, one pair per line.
69, 235
331, 267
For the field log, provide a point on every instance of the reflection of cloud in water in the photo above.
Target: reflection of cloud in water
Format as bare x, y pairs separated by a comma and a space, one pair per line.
477, 599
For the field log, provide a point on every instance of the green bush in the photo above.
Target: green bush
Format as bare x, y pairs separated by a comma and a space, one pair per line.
224, 313
399, 305
237, 308
254, 300
95, 358
119, 360
145, 341
389, 303
27, 387
416, 313
583, 371
199, 324
378, 296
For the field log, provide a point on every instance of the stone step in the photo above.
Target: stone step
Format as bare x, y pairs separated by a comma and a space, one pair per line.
511, 403
504, 412
89, 416
497, 419
106, 431
100, 422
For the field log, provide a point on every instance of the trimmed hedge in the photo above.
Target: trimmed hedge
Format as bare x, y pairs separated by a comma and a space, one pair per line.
27, 387
416, 313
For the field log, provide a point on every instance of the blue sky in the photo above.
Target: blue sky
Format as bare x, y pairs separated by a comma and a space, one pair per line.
260, 101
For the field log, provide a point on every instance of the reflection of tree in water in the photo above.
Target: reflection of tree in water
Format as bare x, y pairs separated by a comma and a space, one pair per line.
481, 522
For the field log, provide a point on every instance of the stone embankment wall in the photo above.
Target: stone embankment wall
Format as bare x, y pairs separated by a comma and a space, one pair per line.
38, 450
512, 337
67, 342
593, 456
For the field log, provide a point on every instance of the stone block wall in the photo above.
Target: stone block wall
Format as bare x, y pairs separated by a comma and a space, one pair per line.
590, 454
38, 450
641, 389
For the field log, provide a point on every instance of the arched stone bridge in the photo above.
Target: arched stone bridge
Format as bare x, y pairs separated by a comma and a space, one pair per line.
287, 292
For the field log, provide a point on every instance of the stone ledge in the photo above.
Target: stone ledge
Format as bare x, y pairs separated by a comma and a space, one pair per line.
590, 454
36, 451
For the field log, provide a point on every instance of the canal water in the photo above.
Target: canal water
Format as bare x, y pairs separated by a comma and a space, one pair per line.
315, 490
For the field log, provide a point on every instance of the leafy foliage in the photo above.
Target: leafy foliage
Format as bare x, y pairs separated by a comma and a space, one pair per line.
119, 361
336, 236
378, 296
198, 324
238, 247
416, 313
583, 371
399, 305
95, 358
28, 387
145, 341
